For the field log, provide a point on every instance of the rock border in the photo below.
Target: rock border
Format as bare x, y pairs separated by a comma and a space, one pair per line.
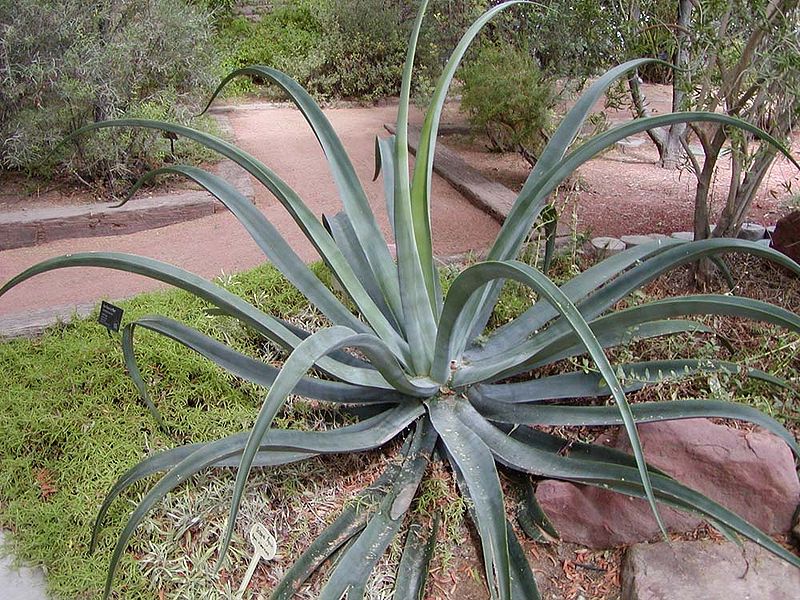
604, 246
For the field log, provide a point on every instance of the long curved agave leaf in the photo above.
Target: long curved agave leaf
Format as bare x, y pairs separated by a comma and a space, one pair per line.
232, 304
341, 228
472, 459
307, 221
423, 167
636, 323
656, 265
557, 343
610, 334
710, 304
571, 125
528, 201
200, 459
603, 454
523, 583
348, 524
350, 189
299, 362
550, 225
256, 371
473, 278
646, 412
531, 516
531, 459
355, 566
576, 289
633, 377
412, 572
169, 459
268, 239
135, 374
284, 446
416, 296
384, 162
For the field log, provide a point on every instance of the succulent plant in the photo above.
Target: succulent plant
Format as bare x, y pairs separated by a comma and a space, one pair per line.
426, 369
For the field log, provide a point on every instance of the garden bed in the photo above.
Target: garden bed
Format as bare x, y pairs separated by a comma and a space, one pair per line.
72, 424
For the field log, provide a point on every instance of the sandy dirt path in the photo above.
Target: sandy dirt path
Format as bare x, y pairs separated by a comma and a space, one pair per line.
215, 245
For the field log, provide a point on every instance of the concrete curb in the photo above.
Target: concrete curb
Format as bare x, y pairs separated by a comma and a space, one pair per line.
25, 228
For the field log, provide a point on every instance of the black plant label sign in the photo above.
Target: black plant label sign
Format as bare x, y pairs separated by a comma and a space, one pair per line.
110, 316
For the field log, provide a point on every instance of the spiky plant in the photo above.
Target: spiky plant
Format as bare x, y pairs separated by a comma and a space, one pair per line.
425, 370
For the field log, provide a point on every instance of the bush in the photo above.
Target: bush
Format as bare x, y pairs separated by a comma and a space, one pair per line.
287, 38
65, 66
505, 94
363, 49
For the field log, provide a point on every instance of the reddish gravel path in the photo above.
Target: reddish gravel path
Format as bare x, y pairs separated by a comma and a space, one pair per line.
217, 244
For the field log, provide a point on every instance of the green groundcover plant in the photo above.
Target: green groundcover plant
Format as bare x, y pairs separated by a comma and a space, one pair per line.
417, 364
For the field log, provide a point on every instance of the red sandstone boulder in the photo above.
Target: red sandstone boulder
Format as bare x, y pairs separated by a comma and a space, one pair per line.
786, 238
749, 472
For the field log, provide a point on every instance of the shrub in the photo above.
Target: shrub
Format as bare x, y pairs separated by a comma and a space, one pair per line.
505, 94
425, 371
65, 65
364, 45
286, 38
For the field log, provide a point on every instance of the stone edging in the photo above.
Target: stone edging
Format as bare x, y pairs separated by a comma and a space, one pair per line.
25, 228
605, 246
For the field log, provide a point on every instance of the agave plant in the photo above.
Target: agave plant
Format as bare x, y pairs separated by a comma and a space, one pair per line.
426, 370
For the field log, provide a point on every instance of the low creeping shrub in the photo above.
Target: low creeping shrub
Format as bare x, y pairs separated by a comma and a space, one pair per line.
426, 371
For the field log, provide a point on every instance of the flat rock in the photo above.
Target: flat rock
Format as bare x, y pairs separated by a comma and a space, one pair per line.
636, 240
20, 583
752, 232
749, 472
602, 247
786, 238
707, 570
683, 235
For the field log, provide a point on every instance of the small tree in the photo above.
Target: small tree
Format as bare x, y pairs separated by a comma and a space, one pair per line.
743, 59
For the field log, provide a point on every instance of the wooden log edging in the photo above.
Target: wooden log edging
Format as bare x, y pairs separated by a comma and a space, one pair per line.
23, 228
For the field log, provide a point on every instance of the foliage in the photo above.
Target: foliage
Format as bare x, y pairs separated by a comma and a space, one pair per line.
567, 38
505, 94
359, 53
425, 372
362, 49
287, 38
65, 66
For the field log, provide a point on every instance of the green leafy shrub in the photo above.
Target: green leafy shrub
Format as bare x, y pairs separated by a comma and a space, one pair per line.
426, 370
286, 38
362, 49
505, 95
65, 65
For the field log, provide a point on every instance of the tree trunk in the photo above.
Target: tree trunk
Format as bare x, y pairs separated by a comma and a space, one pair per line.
668, 141
703, 270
